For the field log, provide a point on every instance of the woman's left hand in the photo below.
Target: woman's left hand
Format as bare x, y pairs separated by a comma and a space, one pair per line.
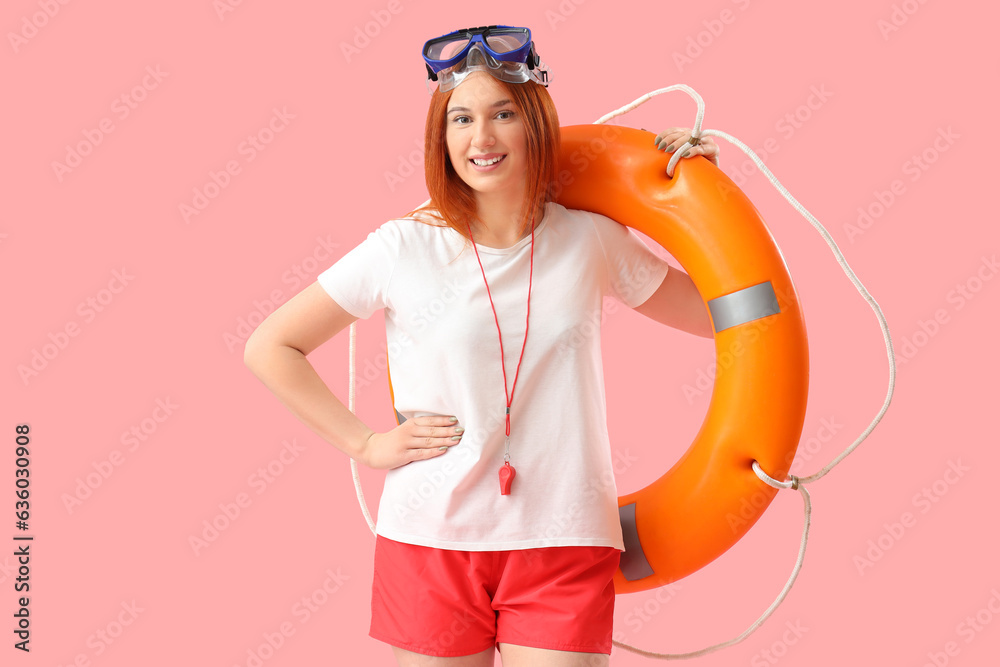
673, 138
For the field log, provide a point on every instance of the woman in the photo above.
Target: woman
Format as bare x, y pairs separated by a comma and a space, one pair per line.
473, 554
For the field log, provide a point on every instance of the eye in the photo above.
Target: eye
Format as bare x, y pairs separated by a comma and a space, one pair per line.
506, 114
460, 120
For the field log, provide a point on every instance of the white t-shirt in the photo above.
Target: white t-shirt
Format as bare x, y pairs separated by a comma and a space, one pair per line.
444, 359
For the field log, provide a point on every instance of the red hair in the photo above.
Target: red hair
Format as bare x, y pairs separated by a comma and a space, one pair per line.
453, 200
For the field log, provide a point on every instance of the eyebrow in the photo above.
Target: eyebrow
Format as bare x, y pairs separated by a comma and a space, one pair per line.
499, 103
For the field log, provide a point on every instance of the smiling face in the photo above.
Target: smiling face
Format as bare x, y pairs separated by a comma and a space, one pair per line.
487, 140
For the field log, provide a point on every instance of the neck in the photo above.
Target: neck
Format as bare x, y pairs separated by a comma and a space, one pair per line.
499, 223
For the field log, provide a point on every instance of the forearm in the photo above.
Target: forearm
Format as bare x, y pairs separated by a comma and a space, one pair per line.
677, 303
289, 375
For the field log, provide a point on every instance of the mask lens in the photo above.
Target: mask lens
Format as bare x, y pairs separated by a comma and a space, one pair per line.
506, 41
447, 48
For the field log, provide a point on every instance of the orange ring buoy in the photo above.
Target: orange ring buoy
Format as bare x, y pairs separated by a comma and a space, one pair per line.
711, 497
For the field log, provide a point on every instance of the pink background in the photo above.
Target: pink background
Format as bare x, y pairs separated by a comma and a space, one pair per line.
172, 294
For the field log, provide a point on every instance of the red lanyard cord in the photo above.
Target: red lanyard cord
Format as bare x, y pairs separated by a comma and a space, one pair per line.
531, 270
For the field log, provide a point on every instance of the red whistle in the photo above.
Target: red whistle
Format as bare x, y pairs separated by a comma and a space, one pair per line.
506, 477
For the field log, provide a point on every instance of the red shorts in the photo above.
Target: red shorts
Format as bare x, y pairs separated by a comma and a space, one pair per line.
448, 603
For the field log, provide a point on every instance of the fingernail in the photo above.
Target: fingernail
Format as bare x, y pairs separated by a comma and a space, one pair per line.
686, 153
459, 430
456, 437
442, 449
453, 419
671, 149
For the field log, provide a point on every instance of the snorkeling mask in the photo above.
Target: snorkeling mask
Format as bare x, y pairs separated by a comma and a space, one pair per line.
505, 52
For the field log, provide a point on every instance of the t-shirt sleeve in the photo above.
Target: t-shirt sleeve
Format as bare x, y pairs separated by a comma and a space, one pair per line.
634, 271
359, 281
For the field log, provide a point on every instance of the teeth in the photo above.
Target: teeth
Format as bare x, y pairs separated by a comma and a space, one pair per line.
486, 163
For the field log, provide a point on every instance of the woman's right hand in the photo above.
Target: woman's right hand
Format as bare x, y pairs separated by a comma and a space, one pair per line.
674, 137
415, 439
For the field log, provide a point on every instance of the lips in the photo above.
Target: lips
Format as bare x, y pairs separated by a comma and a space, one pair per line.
487, 161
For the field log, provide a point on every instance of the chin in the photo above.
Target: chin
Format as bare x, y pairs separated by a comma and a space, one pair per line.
486, 183
490, 188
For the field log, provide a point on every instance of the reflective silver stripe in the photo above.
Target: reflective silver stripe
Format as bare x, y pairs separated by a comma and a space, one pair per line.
399, 418
633, 562
742, 306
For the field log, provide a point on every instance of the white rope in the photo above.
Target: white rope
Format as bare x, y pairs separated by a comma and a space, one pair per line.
807, 509
854, 280
696, 134
352, 345
645, 98
793, 482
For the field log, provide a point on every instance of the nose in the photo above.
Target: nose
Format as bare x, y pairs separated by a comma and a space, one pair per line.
483, 136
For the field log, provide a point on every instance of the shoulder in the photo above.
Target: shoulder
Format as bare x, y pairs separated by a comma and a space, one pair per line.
561, 211
601, 224
558, 215
424, 221
405, 231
